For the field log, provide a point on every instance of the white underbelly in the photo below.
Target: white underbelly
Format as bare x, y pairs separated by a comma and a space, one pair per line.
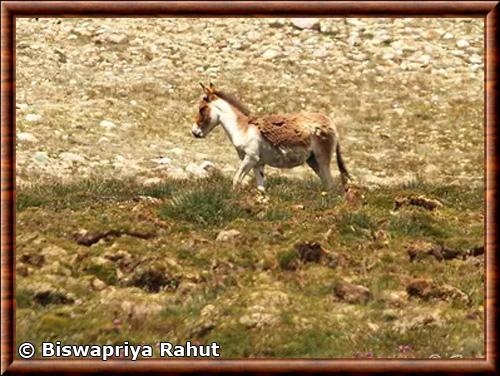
283, 157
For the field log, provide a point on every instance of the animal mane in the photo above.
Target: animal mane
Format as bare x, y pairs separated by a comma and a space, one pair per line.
231, 99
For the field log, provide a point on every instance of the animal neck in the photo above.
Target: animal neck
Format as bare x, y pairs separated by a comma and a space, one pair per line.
232, 120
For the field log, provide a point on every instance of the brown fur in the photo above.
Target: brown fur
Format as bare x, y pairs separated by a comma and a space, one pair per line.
233, 101
203, 116
292, 129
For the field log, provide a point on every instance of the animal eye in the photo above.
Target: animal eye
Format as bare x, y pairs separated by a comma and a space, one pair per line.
205, 98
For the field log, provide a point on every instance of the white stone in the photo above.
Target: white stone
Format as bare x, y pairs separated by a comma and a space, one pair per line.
383, 38
116, 38
152, 181
476, 59
462, 43
270, 54
32, 118
306, 23
26, 137
227, 235
388, 56
424, 59
200, 170
107, 124
71, 157
163, 160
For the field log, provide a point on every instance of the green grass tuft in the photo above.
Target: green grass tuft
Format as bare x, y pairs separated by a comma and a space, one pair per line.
210, 203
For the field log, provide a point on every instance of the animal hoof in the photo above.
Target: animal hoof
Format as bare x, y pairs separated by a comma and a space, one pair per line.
261, 189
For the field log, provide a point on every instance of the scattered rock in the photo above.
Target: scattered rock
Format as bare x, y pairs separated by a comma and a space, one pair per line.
306, 23
227, 235
22, 270
462, 43
419, 288
116, 38
98, 285
418, 320
140, 311
45, 294
186, 288
389, 315
258, 317
40, 157
152, 181
107, 124
277, 22
86, 238
162, 160
151, 278
257, 320
53, 253
395, 299
476, 251
426, 289
353, 294
421, 201
112, 38
71, 157
33, 259
310, 251
33, 118
475, 59
424, 59
419, 250
270, 54
26, 137
202, 169
364, 355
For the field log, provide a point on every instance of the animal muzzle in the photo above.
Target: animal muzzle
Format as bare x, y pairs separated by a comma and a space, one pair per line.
196, 131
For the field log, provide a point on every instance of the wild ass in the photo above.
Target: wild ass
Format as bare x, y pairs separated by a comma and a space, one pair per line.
280, 140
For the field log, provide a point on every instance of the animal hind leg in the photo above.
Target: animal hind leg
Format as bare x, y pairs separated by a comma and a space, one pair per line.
322, 151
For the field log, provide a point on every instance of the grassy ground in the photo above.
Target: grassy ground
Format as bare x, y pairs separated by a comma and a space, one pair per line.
256, 295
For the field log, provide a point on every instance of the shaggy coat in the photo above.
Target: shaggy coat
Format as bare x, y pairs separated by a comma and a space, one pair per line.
278, 140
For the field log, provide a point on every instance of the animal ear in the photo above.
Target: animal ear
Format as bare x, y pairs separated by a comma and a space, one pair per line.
206, 90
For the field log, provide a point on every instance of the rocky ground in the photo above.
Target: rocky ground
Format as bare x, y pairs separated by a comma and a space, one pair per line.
117, 96
123, 234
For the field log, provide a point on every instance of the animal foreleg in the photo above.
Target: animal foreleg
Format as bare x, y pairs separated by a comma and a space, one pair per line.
260, 178
246, 165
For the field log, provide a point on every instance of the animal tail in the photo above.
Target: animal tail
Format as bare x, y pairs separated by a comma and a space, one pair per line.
343, 170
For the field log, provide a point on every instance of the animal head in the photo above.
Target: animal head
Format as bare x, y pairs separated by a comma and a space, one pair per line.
207, 117
215, 103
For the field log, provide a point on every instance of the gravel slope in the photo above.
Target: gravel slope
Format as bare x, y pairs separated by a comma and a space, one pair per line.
117, 96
